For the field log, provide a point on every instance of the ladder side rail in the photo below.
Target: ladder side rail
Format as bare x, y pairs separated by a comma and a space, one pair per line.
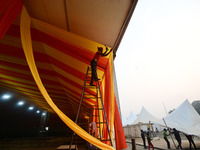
79, 107
98, 114
104, 113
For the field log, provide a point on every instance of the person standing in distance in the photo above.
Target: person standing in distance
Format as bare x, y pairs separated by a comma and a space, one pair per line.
143, 138
150, 145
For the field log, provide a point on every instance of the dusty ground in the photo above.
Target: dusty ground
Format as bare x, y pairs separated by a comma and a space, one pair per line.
53, 143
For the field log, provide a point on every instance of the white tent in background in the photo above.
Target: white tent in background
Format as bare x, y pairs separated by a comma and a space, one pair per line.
123, 121
130, 130
144, 117
131, 118
185, 119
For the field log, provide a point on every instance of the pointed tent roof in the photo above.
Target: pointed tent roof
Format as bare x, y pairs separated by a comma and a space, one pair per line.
145, 116
185, 119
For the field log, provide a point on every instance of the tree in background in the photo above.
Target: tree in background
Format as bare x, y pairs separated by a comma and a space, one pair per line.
196, 105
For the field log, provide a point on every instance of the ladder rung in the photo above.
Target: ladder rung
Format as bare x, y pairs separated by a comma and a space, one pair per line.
90, 86
100, 122
90, 94
89, 97
88, 80
98, 108
92, 97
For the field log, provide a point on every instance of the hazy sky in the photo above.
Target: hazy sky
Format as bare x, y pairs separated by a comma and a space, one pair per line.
158, 61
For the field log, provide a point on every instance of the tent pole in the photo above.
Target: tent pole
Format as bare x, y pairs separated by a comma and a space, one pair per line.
150, 128
170, 134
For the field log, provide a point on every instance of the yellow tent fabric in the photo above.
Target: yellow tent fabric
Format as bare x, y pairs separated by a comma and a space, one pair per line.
112, 100
27, 46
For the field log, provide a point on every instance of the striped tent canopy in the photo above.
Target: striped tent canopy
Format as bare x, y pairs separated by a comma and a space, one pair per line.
54, 42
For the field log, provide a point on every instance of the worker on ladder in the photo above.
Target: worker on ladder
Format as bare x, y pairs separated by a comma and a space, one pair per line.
94, 62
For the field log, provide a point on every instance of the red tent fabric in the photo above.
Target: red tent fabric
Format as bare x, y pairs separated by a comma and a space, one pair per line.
9, 9
119, 133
